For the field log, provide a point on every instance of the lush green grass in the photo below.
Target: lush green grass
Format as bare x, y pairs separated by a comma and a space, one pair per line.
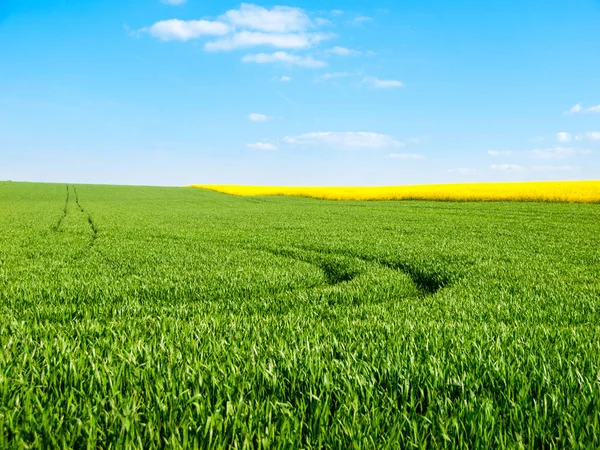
173, 317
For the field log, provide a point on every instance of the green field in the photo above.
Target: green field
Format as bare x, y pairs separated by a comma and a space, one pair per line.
172, 317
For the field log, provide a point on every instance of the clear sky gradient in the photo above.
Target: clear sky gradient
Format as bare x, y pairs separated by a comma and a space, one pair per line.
386, 92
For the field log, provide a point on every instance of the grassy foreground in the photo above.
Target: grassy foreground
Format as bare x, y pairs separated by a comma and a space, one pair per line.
183, 318
543, 191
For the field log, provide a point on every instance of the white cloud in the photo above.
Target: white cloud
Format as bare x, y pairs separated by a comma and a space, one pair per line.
344, 140
360, 19
512, 167
563, 136
181, 30
245, 39
578, 109
406, 156
590, 136
334, 75
556, 168
500, 153
382, 84
545, 153
174, 2
322, 22
279, 19
463, 170
575, 109
337, 12
282, 78
553, 153
284, 58
417, 140
262, 146
341, 51
256, 117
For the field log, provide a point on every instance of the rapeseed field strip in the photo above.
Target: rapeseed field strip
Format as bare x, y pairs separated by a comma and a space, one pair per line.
546, 191
185, 318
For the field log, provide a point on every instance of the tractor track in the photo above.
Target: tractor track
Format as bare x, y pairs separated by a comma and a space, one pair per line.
58, 224
88, 217
337, 271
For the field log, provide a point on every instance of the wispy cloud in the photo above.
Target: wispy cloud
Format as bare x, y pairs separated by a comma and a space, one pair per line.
174, 2
181, 30
553, 153
284, 58
509, 167
406, 156
245, 39
344, 140
323, 22
279, 19
359, 19
590, 136
333, 76
544, 153
500, 152
463, 170
341, 51
563, 136
282, 78
578, 109
256, 117
262, 146
382, 84
568, 137
556, 168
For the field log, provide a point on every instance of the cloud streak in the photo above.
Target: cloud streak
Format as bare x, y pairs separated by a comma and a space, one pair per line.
341, 51
284, 58
262, 146
256, 117
279, 19
405, 156
500, 153
344, 140
578, 109
181, 30
556, 168
507, 167
377, 83
245, 39
463, 170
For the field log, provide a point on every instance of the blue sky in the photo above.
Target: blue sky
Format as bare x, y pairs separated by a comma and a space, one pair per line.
326, 92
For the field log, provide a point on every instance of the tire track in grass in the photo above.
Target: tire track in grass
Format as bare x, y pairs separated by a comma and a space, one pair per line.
335, 272
338, 271
56, 227
428, 282
90, 221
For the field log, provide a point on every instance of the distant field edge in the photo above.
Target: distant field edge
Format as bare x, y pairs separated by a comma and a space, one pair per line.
533, 191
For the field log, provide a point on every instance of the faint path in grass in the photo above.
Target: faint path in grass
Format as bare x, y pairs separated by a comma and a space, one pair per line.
428, 282
335, 271
75, 230
344, 266
90, 221
64, 213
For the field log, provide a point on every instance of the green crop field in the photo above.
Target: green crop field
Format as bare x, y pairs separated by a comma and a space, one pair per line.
145, 317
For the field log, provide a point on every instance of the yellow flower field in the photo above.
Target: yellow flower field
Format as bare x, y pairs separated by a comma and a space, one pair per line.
547, 191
